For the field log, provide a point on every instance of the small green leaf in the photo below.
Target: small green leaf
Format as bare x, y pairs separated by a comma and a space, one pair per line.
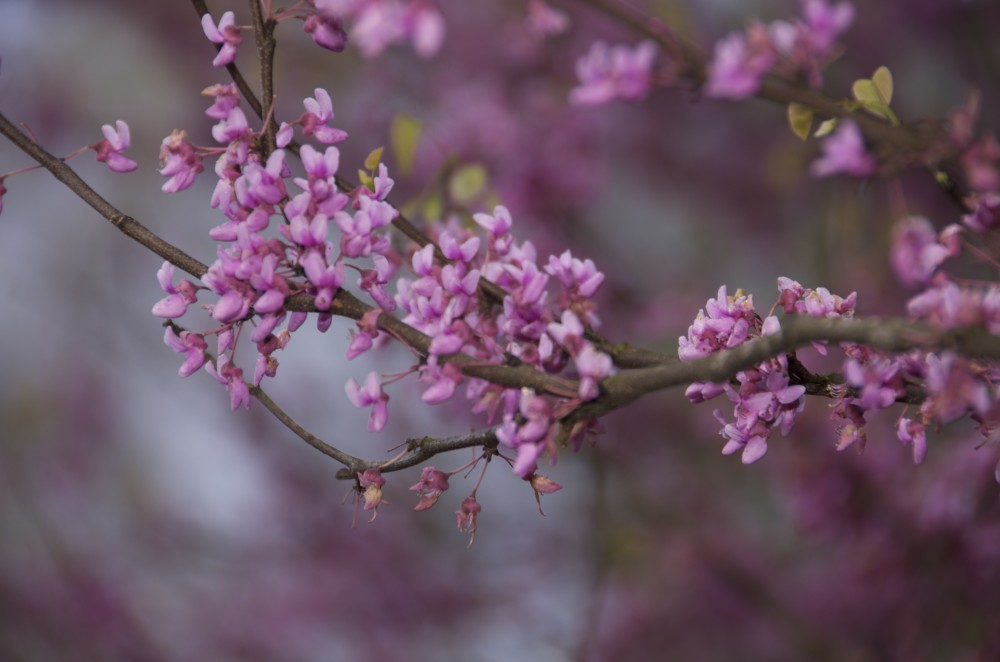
882, 79
366, 179
373, 159
941, 177
467, 183
404, 135
826, 128
875, 93
800, 118
865, 92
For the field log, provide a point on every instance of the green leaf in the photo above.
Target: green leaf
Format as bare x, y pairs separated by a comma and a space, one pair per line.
467, 183
882, 79
826, 128
800, 118
404, 135
366, 179
875, 93
373, 159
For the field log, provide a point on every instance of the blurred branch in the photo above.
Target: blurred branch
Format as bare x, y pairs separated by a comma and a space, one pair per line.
925, 145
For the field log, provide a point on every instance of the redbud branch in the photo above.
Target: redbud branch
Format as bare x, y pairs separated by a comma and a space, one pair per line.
421, 449
128, 225
264, 32
907, 145
889, 335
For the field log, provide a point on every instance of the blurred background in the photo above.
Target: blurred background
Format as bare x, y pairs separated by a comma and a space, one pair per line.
140, 519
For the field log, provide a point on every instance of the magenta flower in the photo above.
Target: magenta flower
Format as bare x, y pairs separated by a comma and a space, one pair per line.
230, 375
844, 151
592, 366
179, 162
319, 111
371, 482
432, 484
191, 345
370, 395
914, 434
109, 150
225, 33
325, 277
232, 127
178, 299
607, 73
468, 516
327, 33
825, 22
739, 63
916, 251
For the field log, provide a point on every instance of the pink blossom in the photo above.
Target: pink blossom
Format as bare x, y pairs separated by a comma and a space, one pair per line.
191, 345
109, 150
844, 151
739, 63
179, 162
371, 481
226, 33
916, 251
607, 73
319, 111
327, 33
178, 299
468, 517
915, 434
370, 395
432, 484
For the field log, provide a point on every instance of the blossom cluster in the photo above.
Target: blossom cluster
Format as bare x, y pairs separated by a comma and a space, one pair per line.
766, 397
324, 233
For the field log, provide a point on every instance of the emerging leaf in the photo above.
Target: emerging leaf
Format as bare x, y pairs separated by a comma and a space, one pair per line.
800, 119
374, 158
826, 128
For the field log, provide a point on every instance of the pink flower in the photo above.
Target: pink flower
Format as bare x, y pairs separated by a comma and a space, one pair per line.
226, 33
371, 481
370, 395
616, 72
844, 151
319, 111
179, 162
432, 484
176, 304
109, 150
915, 434
916, 251
739, 63
191, 345
327, 33
468, 516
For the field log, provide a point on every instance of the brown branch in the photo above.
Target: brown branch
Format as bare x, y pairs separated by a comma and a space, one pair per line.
264, 32
126, 224
890, 335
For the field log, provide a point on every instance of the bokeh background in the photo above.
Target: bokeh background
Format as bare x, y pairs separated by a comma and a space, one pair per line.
140, 519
